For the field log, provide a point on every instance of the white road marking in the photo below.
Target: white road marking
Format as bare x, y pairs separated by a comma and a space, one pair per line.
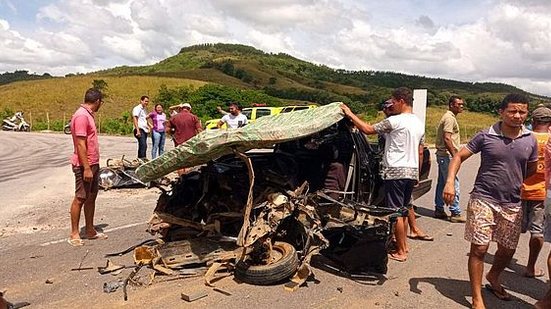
106, 231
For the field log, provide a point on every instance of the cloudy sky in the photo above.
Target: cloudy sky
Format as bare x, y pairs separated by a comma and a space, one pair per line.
472, 40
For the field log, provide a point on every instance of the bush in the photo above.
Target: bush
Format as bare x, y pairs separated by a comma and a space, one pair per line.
6, 113
116, 126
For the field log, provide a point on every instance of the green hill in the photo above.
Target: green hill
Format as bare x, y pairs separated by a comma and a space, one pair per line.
283, 76
209, 75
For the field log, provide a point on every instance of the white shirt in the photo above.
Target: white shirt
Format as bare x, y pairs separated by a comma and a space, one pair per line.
234, 122
404, 133
139, 111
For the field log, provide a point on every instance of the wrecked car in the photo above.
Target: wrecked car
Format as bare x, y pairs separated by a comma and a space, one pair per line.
120, 173
275, 193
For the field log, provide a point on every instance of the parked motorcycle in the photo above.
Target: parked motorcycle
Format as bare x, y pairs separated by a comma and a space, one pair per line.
16, 123
67, 128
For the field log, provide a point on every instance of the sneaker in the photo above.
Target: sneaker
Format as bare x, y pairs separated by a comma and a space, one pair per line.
457, 218
440, 214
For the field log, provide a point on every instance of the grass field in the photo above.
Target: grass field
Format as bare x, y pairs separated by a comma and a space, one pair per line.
60, 97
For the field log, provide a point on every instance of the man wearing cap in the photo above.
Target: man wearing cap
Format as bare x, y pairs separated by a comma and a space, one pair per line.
183, 125
533, 190
447, 145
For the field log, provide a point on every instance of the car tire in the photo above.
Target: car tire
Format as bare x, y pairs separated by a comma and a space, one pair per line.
284, 267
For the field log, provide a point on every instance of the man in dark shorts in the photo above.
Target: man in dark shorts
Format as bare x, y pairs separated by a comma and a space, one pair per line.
404, 134
85, 164
508, 154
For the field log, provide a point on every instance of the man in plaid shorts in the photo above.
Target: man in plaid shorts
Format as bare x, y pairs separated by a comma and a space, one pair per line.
508, 153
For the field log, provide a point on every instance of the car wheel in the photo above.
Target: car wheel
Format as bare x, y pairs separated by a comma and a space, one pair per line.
284, 263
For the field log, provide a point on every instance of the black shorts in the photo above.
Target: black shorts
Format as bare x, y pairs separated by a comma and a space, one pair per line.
398, 192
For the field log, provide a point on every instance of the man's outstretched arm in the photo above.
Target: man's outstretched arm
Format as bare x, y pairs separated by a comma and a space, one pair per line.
360, 124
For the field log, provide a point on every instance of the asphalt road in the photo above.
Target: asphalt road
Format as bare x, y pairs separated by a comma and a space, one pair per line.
36, 188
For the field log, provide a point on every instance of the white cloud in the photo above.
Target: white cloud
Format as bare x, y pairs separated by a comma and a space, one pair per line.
508, 41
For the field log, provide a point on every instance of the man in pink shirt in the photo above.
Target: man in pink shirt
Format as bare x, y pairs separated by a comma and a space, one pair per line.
85, 163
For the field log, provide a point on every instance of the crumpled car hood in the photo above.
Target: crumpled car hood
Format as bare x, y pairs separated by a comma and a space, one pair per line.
266, 131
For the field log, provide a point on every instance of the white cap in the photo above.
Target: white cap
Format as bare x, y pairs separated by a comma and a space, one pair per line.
186, 105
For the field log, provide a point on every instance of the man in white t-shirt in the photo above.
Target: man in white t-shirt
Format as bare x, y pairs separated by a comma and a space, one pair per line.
404, 134
141, 126
234, 119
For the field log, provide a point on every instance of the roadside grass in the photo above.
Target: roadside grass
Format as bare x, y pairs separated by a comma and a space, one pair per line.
469, 123
56, 99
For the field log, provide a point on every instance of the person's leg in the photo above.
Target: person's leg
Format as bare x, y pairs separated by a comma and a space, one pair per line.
534, 213
478, 231
78, 201
76, 207
142, 145
395, 198
442, 175
545, 302
414, 229
415, 232
476, 269
506, 233
155, 139
401, 242
162, 143
90, 203
535, 245
502, 258
144, 142
89, 210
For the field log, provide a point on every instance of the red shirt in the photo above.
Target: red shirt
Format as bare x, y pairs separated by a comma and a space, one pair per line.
185, 125
83, 125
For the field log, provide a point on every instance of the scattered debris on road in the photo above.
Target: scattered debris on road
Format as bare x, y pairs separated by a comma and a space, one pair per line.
110, 287
189, 297
6, 304
79, 268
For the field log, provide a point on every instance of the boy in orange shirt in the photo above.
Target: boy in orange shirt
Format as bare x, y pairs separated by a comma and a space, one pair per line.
533, 192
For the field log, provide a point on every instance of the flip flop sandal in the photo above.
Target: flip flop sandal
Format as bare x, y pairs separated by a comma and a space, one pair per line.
75, 242
392, 257
425, 237
501, 295
98, 236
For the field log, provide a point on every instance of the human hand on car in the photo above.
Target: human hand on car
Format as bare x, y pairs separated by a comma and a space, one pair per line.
449, 193
345, 109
